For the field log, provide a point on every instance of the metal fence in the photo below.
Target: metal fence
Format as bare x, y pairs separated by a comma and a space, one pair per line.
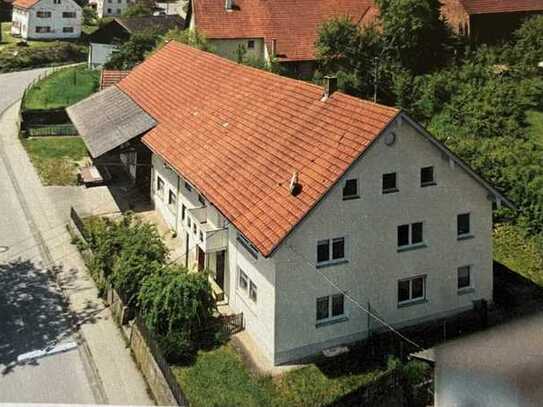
151, 343
51, 130
232, 323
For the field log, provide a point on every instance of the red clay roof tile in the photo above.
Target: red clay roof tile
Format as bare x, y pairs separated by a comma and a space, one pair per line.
294, 24
244, 168
501, 6
25, 3
111, 77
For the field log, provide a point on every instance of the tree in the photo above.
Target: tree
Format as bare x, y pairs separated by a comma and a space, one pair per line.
139, 8
133, 51
194, 38
529, 42
89, 16
177, 305
416, 34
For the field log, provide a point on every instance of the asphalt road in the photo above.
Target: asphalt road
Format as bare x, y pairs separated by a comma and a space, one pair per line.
32, 316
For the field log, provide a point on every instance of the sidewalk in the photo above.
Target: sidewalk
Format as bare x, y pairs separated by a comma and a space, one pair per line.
114, 372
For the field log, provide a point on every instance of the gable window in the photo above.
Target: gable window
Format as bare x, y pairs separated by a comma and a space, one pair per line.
463, 225
56, 1
253, 291
390, 183
43, 29
160, 186
188, 187
330, 251
172, 199
68, 14
67, 29
350, 189
411, 290
201, 199
194, 228
330, 308
243, 281
427, 176
410, 235
464, 278
251, 44
43, 14
201, 236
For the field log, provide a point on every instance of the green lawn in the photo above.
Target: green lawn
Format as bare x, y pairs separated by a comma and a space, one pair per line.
535, 119
56, 158
9, 41
62, 88
219, 378
519, 253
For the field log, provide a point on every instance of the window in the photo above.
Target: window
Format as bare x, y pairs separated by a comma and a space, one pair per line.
201, 199
43, 29
187, 186
119, 11
330, 251
350, 190
189, 222
68, 14
194, 228
427, 176
43, 14
159, 186
243, 281
410, 234
464, 277
463, 225
56, 1
183, 211
172, 199
389, 183
251, 44
411, 290
201, 236
109, 11
67, 29
331, 307
252, 291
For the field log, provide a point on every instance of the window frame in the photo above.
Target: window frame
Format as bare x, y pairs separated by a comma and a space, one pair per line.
172, 203
242, 276
411, 300
410, 244
253, 291
251, 44
43, 14
188, 187
68, 30
69, 14
427, 183
331, 260
330, 317
470, 286
465, 235
160, 186
347, 197
391, 189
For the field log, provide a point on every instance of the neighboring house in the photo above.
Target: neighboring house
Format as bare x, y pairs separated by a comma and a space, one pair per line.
106, 40
489, 20
282, 30
46, 19
110, 8
285, 192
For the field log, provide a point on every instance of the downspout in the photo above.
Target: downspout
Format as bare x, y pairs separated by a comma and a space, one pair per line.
177, 204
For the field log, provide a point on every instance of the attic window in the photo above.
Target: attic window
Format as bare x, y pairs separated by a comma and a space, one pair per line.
350, 189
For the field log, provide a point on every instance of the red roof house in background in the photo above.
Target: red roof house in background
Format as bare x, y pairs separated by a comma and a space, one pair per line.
489, 20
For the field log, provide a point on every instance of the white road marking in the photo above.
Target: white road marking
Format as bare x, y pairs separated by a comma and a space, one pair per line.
36, 354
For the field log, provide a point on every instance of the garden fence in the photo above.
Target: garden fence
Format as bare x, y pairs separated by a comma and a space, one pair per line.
51, 130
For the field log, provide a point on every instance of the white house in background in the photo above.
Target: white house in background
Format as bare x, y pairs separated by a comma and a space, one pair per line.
46, 19
292, 196
110, 8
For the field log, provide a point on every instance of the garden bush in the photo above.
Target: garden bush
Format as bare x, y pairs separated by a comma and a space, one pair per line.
178, 307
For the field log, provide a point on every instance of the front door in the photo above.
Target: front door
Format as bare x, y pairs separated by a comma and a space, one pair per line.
201, 259
219, 276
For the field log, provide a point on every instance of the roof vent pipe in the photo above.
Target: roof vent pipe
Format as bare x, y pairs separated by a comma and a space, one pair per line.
294, 187
330, 86
228, 5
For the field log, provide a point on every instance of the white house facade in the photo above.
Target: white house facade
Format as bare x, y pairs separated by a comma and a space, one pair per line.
110, 8
46, 19
306, 205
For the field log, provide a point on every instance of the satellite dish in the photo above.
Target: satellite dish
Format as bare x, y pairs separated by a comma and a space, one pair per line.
390, 138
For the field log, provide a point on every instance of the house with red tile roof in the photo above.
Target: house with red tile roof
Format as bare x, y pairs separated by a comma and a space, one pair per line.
282, 30
46, 19
489, 20
302, 202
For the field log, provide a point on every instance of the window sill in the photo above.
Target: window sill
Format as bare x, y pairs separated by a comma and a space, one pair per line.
429, 184
350, 198
331, 263
331, 322
465, 237
390, 191
411, 247
413, 302
467, 290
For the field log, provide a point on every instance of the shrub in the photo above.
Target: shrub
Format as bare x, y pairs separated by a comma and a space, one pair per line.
33, 57
178, 306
